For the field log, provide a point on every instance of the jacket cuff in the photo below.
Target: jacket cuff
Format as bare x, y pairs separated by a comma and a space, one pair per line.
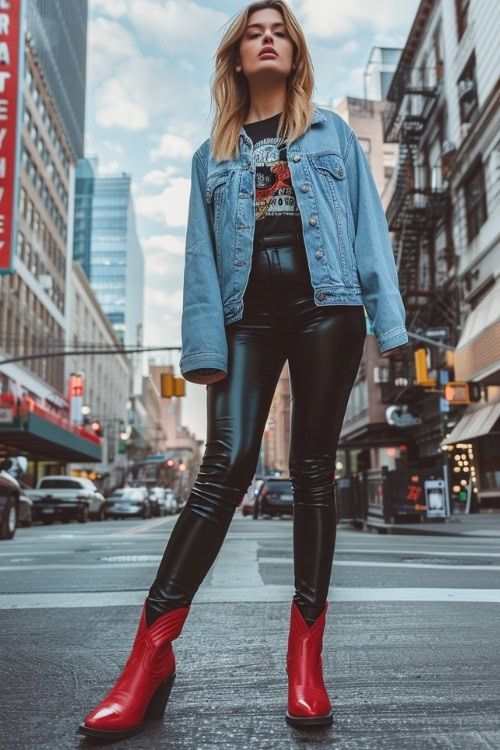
392, 339
197, 361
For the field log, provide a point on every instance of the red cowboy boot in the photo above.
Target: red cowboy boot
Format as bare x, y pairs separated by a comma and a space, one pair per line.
308, 702
142, 690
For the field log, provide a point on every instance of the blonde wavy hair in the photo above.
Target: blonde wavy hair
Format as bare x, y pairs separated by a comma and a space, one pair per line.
230, 91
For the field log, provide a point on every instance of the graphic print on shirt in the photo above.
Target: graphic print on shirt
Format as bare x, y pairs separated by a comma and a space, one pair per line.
274, 192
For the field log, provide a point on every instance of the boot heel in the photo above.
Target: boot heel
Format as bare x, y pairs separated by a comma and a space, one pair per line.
157, 704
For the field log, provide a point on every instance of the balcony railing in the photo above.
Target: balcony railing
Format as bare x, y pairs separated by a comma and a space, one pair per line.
418, 197
417, 89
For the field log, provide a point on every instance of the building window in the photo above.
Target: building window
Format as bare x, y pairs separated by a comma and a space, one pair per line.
20, 246
467, 91
462, 9
475, 200
22, 201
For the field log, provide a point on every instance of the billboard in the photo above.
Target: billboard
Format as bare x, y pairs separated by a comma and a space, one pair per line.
11, 84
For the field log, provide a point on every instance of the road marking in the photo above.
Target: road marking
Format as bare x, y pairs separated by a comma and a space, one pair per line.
257, 594
237, 565
142, 527
418, 551
399, 564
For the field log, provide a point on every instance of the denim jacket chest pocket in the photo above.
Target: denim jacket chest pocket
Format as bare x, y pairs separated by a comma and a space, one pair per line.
330, 172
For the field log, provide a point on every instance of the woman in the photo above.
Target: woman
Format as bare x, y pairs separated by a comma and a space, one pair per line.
286, 241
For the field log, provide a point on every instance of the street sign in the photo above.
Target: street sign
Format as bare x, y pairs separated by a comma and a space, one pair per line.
437, 333
435, 498
11, 87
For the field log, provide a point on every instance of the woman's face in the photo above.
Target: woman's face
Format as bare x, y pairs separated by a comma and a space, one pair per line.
265, 47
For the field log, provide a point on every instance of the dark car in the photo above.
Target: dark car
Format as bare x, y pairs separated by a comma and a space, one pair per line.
129, 502
25, 510
9, 502
275, 498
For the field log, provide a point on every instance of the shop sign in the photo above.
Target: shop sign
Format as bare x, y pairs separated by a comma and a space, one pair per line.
11, 80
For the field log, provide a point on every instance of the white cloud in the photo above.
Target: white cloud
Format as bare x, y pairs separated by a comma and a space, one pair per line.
114, 8
178, 26
114, 108
326, 19
140, 89
172, 147
160, 177
164, 243
109, 45
108, 168
170, 206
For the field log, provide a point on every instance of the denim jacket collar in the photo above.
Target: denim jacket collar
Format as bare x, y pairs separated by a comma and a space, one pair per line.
317, 117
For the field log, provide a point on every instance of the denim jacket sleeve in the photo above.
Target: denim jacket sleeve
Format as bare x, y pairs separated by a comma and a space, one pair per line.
204, 342
373, 251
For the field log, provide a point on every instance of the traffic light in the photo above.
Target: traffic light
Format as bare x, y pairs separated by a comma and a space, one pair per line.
171, 386
97, 428
457, 392
423, 378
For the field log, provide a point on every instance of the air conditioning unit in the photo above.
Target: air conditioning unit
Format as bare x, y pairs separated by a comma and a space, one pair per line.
466, 89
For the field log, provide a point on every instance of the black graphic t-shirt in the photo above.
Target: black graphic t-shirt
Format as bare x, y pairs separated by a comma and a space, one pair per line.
276, 210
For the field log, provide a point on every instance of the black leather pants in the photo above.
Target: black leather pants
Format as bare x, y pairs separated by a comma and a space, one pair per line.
323, 346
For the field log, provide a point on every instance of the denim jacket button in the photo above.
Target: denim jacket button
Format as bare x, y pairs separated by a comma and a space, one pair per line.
340, 171
313, 221
209, 196
296, 157
320, 296
305, 188
319, 254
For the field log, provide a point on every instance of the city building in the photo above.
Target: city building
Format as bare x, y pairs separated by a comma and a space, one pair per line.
379, 71
57, 34
106, 380
107, 246
367, 440
33, 293
444, 115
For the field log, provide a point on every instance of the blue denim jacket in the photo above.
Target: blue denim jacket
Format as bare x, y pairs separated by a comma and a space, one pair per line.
346, 236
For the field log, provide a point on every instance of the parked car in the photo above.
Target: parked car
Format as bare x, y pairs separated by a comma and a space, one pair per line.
25, 510
157, 500
129, 502
170, 502
249, 504
275, 498
66, 498
9, 501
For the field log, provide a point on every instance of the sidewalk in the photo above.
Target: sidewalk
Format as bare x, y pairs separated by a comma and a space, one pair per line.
475, 525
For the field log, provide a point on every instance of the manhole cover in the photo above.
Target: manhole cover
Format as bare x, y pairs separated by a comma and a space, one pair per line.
132, 558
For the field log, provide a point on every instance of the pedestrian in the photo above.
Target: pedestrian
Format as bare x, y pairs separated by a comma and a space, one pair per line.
287, 245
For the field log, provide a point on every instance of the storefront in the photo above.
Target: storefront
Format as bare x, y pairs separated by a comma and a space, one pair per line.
473, 451
28, 429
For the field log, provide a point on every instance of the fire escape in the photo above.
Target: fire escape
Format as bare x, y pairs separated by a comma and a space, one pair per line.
420, 200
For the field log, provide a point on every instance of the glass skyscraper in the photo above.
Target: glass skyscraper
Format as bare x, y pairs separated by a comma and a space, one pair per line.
58, 30
107, 246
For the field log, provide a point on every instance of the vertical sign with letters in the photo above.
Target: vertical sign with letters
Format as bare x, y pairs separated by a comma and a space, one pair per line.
11, 86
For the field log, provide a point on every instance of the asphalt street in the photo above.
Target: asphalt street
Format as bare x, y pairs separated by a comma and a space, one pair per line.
411, 656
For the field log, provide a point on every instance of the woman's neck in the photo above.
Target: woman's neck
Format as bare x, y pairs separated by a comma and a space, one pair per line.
266, 102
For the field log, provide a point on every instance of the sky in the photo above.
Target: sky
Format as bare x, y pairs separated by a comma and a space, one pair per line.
149, 67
